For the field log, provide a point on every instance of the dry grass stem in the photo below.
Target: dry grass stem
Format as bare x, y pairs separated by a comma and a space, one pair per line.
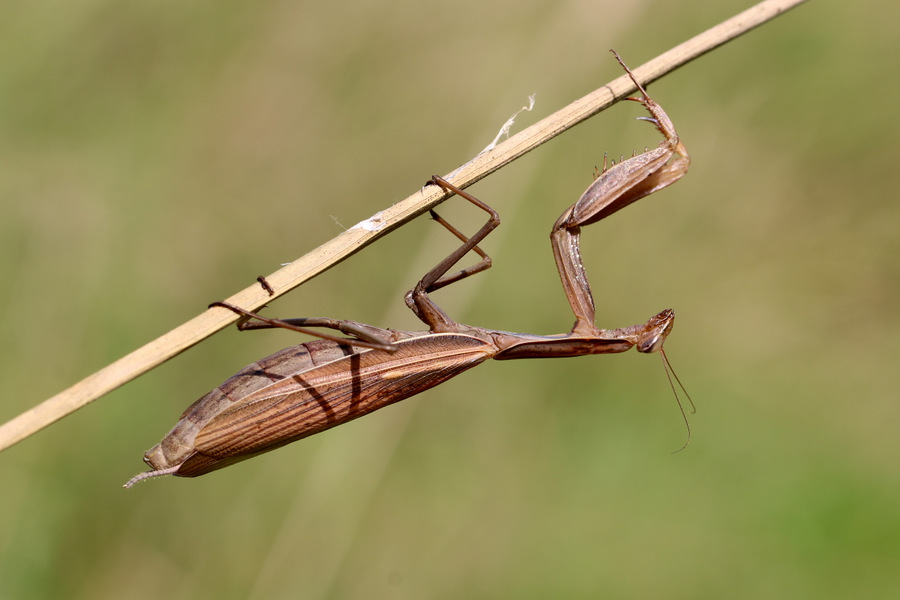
354, 239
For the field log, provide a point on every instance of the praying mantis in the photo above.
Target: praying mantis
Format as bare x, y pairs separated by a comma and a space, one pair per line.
313, 386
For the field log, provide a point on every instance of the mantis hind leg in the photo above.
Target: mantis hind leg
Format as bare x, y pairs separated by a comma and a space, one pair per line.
365, 336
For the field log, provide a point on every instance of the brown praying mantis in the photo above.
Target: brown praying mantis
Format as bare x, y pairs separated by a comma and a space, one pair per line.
311, 387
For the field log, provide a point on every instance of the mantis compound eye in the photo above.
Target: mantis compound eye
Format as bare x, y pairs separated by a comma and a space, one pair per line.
652, 344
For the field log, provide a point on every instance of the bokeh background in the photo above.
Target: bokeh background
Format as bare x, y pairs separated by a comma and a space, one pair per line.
155, 157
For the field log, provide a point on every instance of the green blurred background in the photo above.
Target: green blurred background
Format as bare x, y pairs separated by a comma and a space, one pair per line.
155, 157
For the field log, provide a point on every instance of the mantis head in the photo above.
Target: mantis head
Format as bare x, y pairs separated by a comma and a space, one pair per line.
655, 331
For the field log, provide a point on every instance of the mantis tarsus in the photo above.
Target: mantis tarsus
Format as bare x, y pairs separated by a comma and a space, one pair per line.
314, 386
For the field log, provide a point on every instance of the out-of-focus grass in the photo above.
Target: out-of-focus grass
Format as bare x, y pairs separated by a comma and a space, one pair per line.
154, 158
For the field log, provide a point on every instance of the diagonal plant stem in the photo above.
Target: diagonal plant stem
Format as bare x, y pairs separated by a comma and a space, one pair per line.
364, 233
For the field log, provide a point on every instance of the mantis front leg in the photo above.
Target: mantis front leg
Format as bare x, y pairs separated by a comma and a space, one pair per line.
617, 186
